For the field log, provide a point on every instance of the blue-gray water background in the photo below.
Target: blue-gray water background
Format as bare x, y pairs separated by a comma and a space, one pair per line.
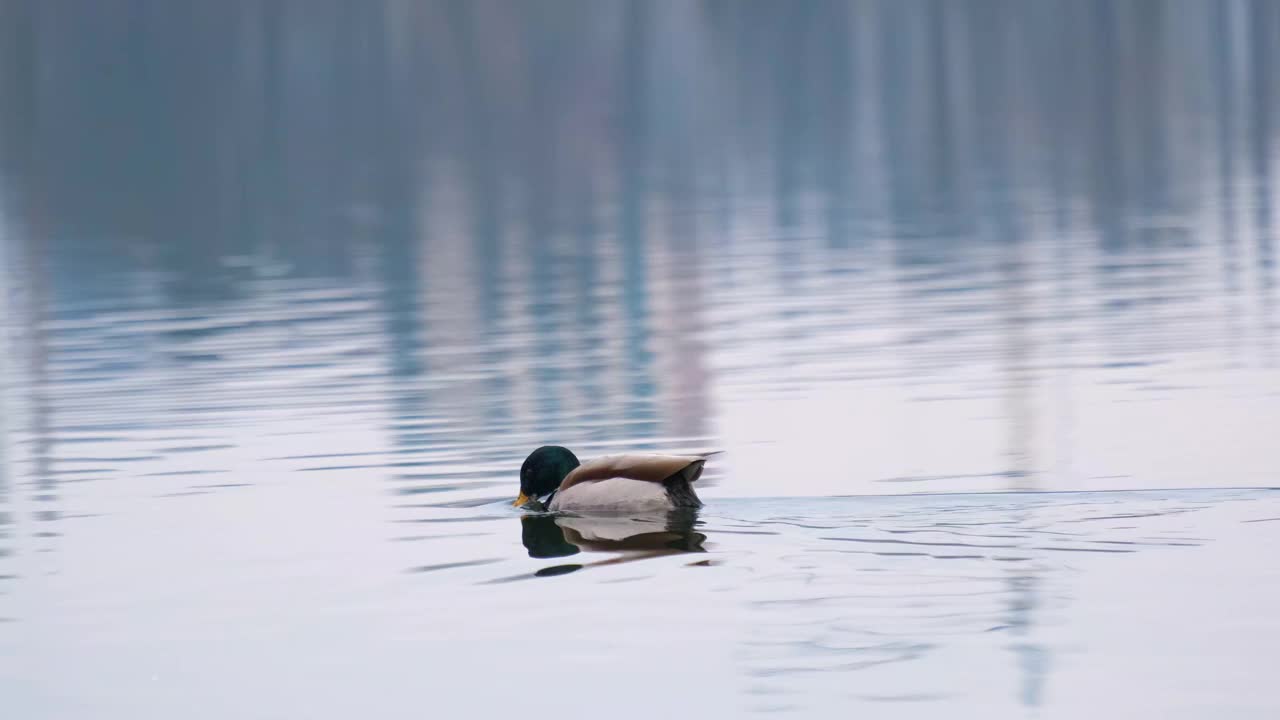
291, 288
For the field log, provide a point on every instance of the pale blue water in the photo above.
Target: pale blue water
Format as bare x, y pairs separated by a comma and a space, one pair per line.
977, 299
292, 599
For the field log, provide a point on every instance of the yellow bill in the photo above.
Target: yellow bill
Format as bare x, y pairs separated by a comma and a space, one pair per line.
521, 500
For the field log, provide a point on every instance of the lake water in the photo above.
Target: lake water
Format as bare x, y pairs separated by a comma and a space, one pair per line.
979, 301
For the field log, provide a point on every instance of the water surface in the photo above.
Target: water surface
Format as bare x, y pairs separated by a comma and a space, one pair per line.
1041, 605
289, 292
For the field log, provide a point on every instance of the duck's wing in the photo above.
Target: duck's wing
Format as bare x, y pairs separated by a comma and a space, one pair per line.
649, 468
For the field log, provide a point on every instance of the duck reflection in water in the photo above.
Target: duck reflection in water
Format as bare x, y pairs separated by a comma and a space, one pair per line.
632, 537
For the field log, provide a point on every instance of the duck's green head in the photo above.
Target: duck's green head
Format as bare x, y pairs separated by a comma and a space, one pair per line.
543, 472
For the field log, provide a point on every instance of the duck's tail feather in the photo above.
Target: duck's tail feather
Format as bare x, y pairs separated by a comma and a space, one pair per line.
680, 490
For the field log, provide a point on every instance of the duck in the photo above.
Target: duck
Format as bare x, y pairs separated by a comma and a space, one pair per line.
552, 479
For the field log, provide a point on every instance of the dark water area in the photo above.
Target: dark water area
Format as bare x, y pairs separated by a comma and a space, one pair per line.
289, 289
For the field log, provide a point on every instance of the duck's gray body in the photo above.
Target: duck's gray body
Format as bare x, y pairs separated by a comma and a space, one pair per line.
630, 483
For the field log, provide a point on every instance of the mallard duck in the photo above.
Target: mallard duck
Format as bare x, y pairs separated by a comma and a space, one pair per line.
553, 477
